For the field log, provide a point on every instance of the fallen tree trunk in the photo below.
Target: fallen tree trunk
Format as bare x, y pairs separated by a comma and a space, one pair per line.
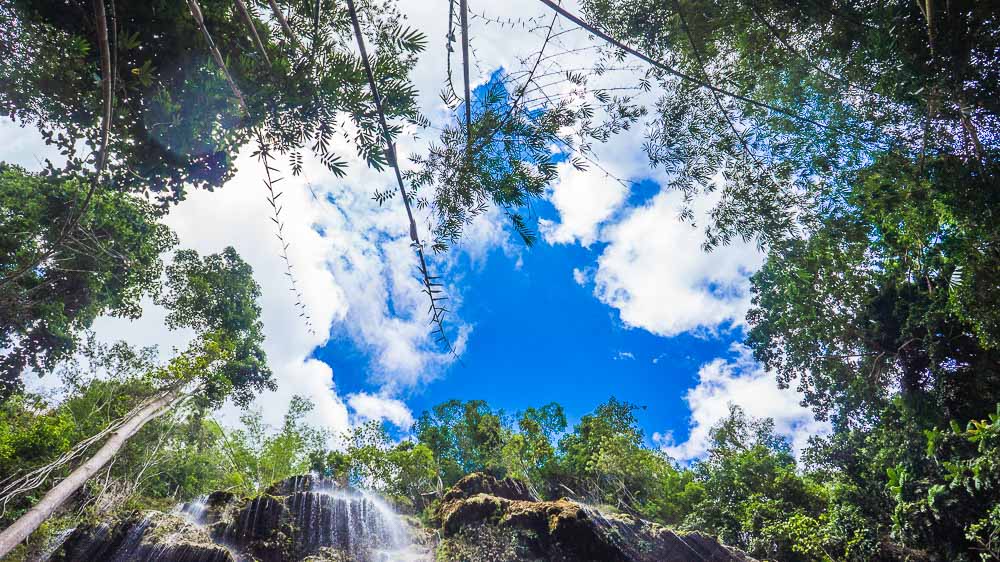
27, 523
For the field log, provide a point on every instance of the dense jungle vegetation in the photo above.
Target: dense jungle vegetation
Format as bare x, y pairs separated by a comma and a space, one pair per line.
856, 143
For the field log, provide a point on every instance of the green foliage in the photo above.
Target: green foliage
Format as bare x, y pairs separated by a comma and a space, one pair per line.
26, 437
503, 158
866, 303
217, 297
105, 264
955, 495
404, 472
755, 498
175, 120
529, 452
604, 460
504, 155
257, 456
833, 88
464, 438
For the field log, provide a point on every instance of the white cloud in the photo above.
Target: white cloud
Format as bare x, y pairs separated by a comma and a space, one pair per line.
658, 277
372, 407
584, 200
742, 382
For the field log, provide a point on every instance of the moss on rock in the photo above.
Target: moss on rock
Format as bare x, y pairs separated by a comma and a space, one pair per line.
479, 526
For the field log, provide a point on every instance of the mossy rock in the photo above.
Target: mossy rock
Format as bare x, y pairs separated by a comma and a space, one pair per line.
517, 529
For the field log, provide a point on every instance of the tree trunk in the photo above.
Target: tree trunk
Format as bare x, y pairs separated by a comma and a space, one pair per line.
27, 523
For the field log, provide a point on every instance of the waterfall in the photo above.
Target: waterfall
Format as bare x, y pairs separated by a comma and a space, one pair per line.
355, 523
322, 515
295, 519
194, 510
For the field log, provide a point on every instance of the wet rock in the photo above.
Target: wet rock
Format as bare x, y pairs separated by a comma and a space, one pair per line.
146, 536
479, 483
306, 517
479, 519
481, 526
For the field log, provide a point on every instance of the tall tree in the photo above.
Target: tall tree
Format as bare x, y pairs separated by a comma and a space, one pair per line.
102, 261
176, 120
810, 94
891, 295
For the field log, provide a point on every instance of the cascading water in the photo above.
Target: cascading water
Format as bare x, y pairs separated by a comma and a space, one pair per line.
194, 510
355, 523
320, 515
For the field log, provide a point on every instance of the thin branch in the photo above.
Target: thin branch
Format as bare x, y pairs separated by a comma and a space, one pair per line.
431, 287
683, 76
264, 157
464, 7
241, 7
285, 28
715, 95
788, 46
200, 20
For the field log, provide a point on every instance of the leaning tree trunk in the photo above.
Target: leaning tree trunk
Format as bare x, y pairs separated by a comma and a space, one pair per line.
27, 523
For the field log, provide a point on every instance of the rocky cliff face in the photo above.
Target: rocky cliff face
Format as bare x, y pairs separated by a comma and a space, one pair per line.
145, 536
481, 519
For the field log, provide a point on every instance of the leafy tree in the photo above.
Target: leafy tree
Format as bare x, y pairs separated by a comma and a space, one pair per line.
217, 295
259, 457
604, 460
464, 437
529, 453
107, 260
176, 119
956, 496
405, 472
754, 497
876, 298
809, 94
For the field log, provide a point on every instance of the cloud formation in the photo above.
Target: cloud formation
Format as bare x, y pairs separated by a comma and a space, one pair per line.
741, 381
584, 199
656, 274
368, 407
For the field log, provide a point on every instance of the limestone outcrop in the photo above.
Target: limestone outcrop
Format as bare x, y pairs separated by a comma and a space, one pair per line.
482, 518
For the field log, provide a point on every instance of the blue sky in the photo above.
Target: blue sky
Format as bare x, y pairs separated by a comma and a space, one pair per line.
539, 336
